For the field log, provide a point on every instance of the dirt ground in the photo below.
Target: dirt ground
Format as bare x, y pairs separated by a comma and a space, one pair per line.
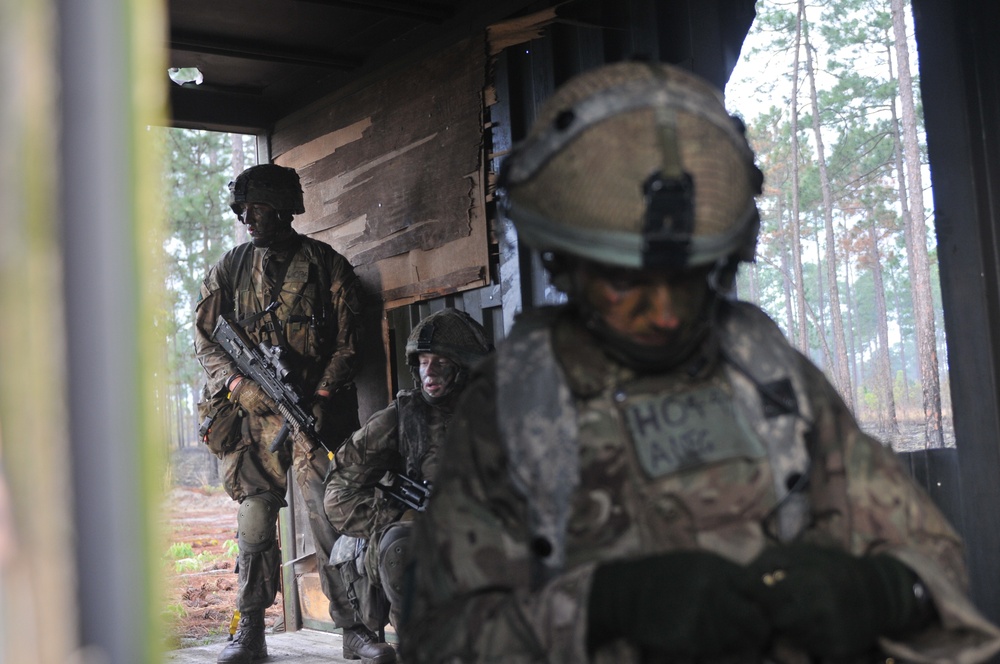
200, 588
910, 436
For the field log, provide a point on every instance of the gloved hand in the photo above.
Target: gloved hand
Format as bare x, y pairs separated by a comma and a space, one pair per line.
834, 604
683, 604
320, 405
251, 398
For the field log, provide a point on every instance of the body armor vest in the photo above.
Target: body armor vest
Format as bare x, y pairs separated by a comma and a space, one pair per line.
540, 426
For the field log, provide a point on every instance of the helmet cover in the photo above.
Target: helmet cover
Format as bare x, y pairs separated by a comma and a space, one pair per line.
277, 186
635, 165
451, 333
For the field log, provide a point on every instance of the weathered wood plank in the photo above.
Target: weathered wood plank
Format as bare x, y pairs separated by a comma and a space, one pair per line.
392, 174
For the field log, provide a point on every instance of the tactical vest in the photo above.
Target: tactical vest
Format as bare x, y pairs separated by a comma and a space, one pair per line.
296, 312
419, 425
532, 392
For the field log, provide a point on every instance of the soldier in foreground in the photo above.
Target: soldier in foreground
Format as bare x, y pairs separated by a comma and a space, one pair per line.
403, 439
296, 293
651, 472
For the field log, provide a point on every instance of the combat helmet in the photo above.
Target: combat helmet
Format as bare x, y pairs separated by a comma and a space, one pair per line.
635, 165
451, 333
277, 186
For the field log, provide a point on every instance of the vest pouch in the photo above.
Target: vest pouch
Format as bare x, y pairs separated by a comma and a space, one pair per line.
221, 424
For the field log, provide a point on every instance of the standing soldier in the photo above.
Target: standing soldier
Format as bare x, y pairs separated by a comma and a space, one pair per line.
401, 439
287, 290
651, 472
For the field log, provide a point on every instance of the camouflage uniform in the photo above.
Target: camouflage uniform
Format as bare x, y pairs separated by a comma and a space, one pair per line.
561, 458
318, 311
403, 438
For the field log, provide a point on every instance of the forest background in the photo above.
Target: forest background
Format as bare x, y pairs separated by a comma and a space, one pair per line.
846, 262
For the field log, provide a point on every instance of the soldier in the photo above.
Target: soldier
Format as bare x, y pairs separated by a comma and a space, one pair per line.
287, 290
651, 472
402, 439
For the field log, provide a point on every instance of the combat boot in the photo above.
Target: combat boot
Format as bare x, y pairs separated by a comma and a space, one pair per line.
248, 643
361, 643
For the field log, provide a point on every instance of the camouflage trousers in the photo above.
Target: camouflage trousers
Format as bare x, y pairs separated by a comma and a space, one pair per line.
250, 469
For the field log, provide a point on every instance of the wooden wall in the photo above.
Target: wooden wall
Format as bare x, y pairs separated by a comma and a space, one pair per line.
392, 174
392, 171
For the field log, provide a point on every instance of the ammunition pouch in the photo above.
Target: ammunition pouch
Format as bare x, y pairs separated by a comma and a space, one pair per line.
221, 423
366, 598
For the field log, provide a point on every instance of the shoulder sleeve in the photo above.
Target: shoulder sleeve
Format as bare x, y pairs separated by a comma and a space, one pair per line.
215, 297
862, 496
351, 502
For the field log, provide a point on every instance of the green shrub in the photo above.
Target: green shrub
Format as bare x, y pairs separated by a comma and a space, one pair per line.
179, 550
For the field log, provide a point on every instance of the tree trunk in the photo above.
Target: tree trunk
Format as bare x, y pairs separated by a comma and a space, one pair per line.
852, 353
796, 220
883, 368
917, 246
838, 370
786, 284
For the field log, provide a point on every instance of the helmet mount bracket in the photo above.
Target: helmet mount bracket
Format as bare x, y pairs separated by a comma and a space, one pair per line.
669, 220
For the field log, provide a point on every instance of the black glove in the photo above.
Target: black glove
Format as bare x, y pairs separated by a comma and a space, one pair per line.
833, 604
252, 398
682, 604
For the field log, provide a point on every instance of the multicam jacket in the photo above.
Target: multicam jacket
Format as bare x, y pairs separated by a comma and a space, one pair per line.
560, 458
317, 318
402, 438
318, 308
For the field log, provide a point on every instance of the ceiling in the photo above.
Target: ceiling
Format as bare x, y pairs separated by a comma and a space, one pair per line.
263, 59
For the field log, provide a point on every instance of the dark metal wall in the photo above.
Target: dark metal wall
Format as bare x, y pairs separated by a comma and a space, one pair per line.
959, 60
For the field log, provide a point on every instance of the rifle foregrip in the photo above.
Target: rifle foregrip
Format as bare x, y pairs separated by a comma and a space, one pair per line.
280, 439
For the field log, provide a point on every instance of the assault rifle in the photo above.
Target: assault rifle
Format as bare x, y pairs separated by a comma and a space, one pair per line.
265, 366
409, 492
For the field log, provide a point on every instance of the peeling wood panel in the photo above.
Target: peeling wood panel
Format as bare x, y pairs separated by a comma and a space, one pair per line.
519, 30
314, 604
392, 175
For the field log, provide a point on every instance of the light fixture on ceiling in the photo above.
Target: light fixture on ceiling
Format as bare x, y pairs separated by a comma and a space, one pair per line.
184, 75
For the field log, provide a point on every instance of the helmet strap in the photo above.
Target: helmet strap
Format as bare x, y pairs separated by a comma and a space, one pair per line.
723, 274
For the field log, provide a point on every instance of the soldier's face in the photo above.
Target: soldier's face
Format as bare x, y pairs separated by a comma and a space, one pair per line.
263, 223
437, 374
647, 307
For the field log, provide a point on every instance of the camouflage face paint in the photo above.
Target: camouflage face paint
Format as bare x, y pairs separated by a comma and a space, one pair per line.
647, 307
263, 223
437, 374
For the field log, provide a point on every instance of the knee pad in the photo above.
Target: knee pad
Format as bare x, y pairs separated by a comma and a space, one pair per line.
393, 550
257, 524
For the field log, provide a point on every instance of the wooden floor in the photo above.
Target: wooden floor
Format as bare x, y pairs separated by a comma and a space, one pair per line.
306, 646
